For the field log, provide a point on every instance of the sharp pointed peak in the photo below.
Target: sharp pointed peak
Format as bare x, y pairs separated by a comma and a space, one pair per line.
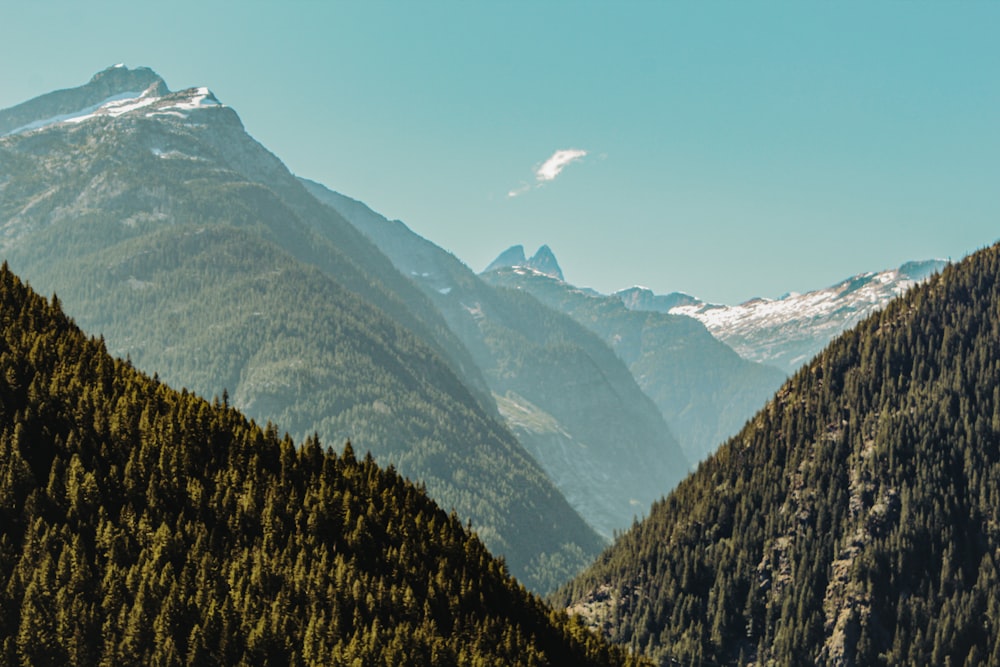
114, 91
512, 256
543, 261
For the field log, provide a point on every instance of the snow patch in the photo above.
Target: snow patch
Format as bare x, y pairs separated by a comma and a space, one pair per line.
172, 155
199, 99
475, 310
118, 108
788, 331
175, 104
75, 116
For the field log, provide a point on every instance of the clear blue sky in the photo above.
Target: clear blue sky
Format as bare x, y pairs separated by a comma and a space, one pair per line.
732, 149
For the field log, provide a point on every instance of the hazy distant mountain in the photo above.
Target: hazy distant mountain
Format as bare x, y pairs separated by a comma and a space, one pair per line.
164, 226
543, 261
854, 521
789, 331
704, 390
573, 404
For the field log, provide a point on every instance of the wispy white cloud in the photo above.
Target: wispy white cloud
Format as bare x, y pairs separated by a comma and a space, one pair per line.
548, 170
555, 164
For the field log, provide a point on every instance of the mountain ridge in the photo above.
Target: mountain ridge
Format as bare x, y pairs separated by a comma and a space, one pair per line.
104, 85
852, 522
570, 401
246, 284
704, 390
788, 331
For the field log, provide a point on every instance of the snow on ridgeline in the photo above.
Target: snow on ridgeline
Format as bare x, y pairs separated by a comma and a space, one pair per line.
177, 104
788, 331
77, 116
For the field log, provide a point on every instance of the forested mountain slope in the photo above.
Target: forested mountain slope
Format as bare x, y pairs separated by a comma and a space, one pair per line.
854, 521
156, 158
166, 228
146, 526
570, 401
704, 390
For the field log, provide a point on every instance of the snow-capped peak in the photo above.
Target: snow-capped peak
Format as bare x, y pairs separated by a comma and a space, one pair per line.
788, 331
113, 92
194, 98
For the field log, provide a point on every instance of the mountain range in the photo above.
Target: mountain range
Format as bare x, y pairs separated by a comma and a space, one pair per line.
789, 331
849, 516
194, 251
572, 403
163, 226
704, 390
708, 367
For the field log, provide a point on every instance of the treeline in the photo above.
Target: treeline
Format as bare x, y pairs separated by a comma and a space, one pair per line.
855, 520
148, 526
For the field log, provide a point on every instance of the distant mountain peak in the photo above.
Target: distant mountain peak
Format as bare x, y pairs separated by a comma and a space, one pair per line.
114, 91
543, 261
787, 331
512, 256
119, 79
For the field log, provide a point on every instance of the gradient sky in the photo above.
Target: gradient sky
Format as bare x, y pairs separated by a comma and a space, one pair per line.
732, 149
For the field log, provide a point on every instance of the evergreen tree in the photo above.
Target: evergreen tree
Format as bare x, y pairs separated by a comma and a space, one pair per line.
147, 526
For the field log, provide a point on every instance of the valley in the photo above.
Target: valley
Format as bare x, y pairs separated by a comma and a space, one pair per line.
248, 419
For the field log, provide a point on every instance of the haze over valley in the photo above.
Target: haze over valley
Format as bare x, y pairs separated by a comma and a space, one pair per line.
369, 346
